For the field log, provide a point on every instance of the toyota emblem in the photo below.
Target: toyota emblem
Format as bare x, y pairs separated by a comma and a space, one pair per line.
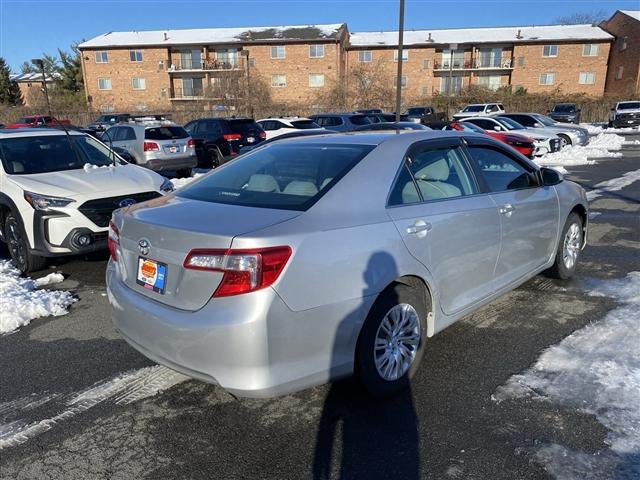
126, 202
144, 246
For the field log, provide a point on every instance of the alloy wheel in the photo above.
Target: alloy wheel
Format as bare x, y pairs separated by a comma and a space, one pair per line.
571, 246
16, 243
396, 342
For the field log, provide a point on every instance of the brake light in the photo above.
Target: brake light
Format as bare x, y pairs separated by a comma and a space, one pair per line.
262, 135
232, 136
244, 270
191, 143
151, 147
113, 241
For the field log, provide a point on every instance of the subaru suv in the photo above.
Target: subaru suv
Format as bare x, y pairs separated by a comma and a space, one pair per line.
59, 190
218, 140
341, 122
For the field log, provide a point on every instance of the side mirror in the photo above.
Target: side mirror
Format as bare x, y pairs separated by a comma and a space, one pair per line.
550, 176
497, 128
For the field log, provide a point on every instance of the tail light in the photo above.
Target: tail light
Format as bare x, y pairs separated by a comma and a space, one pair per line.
151, 147
191, 143
244, 270
262, 135
232, 136
113, 241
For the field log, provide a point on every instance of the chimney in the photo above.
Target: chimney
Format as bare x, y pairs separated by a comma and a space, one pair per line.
166, 37
429, 39
519, 34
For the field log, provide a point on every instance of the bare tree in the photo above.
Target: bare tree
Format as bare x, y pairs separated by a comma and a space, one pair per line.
594, 17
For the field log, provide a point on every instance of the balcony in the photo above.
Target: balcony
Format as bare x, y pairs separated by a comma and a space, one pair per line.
188, 94
477, 64
187, 65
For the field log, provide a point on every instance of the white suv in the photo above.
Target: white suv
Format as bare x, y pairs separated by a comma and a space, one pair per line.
59, 190
479, 110
275, 127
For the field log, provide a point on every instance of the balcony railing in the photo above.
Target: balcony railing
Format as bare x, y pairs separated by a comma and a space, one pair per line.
188, 94
477, 64
204, 64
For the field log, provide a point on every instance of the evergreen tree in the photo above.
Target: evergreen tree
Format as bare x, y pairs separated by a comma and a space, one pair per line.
9, 91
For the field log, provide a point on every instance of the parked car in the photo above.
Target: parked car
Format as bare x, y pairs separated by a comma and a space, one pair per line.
370, 110
545, 142
519, 142
160, 146
479, 110
569, 135
108, 120
625, 114
565, 112
340, 122
218, 140
294, 133
384, 117
277, 126
287, 288
424, 115
58, 193
393, 126
37, 121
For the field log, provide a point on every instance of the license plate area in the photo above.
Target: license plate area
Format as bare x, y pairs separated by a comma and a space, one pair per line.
151, 275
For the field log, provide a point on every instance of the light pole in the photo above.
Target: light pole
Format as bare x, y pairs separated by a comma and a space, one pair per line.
400, 55
39, 63
245, 53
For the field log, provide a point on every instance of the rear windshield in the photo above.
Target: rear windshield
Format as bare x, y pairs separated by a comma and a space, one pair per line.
360, 120
27, 120
416, 111
474, 108
281, 176
52, 153
165, 133
628, 105
107, 118
244, 126
304, 124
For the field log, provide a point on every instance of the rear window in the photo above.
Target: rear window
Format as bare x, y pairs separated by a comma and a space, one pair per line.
416, 111
304, 124
281, 176
165, 133
244, 126
360, 120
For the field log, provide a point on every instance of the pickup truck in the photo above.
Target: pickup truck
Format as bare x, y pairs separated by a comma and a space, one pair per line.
625, 114
37, 121
423, 115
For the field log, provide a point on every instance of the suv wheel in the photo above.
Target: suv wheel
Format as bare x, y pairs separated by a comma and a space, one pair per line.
391, 344
215, 156
564, 141
19, 246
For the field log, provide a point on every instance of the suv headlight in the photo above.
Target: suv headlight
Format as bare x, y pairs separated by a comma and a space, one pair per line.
167, 186
45, 202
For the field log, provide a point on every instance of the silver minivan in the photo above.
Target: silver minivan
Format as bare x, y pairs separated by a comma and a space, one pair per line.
159, 146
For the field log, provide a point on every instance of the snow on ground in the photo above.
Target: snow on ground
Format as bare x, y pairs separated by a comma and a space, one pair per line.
601, 146
613, 184
21, 300
596, 370
597, 129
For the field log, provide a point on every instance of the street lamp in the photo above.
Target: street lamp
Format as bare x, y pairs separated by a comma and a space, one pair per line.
38, 62
245, 53
400, 55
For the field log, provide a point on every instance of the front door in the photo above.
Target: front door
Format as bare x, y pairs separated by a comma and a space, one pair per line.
446, 223
529, 213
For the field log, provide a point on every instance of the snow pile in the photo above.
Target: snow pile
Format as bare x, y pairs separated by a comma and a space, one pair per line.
598, 129
21, 301
613, 184
597, 371
601, 146
90, 167
181, 182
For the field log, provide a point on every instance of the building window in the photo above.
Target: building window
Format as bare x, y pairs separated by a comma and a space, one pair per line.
619, 72
365, 56
278, 80
104, 84
425, 91
316, 51
138, 83
489, 58
252, 63
548, 78
520, 61
405, 55
102, 56
623, 43
450, 85
316, 79
590, 50
403, 81
107, 108
492, 82
456, 59
426, 64
278, 51
135, 55
550, 51
587, 78
141, 107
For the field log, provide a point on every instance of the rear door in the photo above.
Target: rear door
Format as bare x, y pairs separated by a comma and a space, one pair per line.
529, 212
446, 222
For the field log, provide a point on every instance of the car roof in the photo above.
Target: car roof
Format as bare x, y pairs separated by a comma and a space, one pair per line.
373, 137
286, 119
339, 114
35, 132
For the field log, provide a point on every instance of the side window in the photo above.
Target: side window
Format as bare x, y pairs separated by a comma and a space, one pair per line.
129, 133
433, 174
107, 136
486, 124
500, 171
266, 125
523, 120
190, 128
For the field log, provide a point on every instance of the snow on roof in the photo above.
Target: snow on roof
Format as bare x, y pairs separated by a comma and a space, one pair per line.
482, 35
216, 35
632, 13
33, 77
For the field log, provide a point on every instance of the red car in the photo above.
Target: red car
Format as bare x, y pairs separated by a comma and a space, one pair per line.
37, 121
521, 143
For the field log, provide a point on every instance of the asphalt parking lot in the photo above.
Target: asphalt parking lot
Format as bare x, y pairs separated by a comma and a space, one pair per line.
59, 389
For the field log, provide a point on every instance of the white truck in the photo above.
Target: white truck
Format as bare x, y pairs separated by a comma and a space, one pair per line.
625, 114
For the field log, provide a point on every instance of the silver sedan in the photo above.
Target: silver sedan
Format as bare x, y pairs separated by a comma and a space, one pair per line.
314, 258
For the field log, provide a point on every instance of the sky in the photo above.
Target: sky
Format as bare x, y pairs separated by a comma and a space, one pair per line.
29, 28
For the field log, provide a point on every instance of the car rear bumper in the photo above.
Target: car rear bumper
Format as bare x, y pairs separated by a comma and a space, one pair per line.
251, 345
172, 164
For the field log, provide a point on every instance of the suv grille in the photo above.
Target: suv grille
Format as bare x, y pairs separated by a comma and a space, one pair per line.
99, 211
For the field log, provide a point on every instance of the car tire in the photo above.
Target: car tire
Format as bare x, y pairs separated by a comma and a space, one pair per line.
565, 141
18, 246
377, 343
569, 248
184, 172
215, 156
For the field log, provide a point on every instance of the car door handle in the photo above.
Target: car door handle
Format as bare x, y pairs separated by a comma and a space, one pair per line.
507, 209
419, 227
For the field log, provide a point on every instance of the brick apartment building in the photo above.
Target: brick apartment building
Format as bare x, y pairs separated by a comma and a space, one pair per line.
623, 77
30, 85
203, 68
